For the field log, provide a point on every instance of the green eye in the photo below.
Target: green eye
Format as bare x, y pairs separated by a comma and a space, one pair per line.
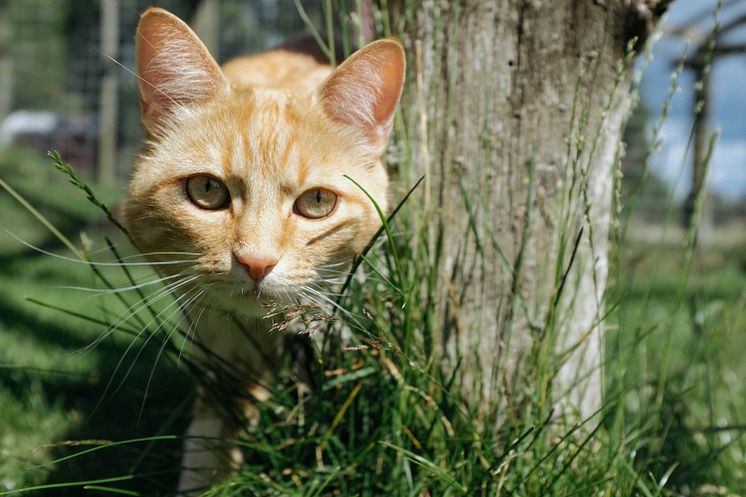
207, 193
315, 203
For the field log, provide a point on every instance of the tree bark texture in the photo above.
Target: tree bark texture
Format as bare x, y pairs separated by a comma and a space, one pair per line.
514, 113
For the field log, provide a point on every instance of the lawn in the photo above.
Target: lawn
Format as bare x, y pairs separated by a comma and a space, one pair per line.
376, 422
53, 385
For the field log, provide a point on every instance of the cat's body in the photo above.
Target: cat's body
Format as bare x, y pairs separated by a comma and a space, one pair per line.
243, 181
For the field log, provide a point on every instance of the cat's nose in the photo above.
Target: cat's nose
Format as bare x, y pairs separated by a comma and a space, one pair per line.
257, 267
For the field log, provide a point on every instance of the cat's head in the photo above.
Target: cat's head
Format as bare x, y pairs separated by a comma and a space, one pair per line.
252, 185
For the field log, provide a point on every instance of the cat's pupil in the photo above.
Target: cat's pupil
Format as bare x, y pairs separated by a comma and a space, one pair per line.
318, 196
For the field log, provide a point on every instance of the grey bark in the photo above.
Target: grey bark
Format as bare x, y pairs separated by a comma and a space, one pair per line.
517, 108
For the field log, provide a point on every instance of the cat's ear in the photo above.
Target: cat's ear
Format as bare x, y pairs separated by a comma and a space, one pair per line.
173, 66
364, 90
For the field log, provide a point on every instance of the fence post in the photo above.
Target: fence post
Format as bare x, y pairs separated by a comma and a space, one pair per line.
206, 23
108, 93
6, 63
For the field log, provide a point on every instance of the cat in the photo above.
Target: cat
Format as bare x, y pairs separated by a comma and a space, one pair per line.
240, 196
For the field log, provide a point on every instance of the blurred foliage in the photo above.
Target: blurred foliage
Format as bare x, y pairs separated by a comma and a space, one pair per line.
638, 180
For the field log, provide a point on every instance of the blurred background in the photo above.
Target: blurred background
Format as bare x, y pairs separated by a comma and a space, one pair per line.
66, 84
704, 65
66, 80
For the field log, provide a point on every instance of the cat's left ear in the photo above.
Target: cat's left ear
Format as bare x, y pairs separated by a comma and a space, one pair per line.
174, 67
364, 90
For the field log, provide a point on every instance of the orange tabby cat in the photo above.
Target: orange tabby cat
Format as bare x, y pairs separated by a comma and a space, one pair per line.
242, 180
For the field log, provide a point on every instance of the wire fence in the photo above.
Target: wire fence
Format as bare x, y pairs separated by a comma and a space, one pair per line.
66, 68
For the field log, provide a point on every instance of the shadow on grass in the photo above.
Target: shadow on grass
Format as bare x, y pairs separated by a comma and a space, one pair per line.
91, 395
107, 401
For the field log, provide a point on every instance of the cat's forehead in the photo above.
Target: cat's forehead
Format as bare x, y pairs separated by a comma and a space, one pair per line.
277, 135
282, 141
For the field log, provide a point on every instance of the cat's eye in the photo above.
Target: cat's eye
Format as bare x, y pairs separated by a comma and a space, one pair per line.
315, 203
207, 193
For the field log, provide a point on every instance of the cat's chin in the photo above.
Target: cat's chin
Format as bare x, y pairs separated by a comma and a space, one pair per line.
249, 302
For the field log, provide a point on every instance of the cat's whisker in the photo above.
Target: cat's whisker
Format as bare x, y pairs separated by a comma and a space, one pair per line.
127, 350
146, 341
332, 272
153, 297
333, 265
312, 299
193, 325
139, 305
327, 280
144, 255
148, 300
182, 307
124, 288
324, 272
331, 279
95, 263
321, 288
326, 299
98, 250
287, 297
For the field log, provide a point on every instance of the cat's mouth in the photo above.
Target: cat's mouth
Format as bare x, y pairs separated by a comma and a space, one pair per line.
255, 291
261, 293
247, 299
269, 293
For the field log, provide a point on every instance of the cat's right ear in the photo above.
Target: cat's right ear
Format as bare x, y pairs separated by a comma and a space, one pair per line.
174, 67
365, 89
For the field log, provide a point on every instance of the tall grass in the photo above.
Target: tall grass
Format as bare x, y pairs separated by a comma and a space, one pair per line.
378, 408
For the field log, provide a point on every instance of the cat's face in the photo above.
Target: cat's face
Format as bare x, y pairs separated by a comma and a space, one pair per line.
257, 176
252, 185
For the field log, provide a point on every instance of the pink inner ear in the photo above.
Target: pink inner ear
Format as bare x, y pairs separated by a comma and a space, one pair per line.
365, 89
392, 80
152, 75
174, 66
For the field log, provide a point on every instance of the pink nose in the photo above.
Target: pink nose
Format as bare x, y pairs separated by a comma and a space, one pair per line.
257, 267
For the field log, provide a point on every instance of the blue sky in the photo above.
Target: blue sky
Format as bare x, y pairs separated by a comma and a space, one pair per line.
727, 175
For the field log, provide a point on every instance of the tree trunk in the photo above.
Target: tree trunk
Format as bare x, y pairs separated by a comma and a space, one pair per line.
515, 111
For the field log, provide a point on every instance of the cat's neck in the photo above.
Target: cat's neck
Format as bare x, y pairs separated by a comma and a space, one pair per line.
231, 334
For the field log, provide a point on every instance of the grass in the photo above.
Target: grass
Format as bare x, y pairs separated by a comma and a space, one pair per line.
51, 389
382, 417
686, 368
